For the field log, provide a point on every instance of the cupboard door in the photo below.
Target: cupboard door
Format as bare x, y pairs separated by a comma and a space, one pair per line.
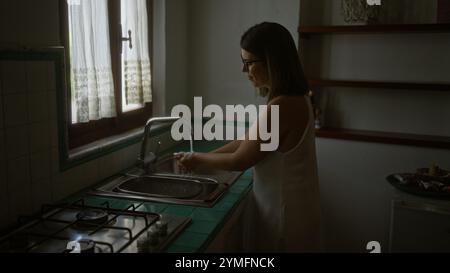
419, 227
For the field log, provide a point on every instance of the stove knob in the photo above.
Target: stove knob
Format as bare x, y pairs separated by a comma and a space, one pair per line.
162, 228
144, 245
153, 236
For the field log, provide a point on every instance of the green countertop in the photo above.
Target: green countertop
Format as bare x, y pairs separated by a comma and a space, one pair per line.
206, 222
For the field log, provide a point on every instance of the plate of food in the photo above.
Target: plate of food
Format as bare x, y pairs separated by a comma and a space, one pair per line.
434, 173
431, 182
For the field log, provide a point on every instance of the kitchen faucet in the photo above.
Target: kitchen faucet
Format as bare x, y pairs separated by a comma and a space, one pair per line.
144, 160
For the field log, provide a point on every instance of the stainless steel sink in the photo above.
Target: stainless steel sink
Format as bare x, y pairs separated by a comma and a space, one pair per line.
159, 186
173, 187
168, 184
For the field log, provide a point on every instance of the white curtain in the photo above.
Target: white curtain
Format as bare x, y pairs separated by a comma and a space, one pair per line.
136, 76
92, 81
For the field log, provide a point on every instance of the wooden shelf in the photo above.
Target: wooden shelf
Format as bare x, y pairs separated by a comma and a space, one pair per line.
429, 141
441, 142
370, 29
381, 85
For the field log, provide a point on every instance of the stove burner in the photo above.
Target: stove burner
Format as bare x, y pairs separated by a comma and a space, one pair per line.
91, 218
87, 246
81, 246
78, 228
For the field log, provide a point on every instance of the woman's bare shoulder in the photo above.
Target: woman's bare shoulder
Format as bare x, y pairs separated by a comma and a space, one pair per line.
278, 100
289, 102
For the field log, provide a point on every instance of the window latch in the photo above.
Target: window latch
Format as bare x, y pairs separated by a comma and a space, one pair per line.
129, 40
125, 39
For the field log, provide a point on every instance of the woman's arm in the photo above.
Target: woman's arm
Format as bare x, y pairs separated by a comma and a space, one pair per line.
235, 156
238, 155
228, 148
247, 155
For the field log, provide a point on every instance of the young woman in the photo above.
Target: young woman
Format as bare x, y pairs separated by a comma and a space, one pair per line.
283, 212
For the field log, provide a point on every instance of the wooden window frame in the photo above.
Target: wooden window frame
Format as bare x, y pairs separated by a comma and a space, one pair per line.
84, 133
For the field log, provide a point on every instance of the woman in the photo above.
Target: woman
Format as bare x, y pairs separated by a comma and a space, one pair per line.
283, 213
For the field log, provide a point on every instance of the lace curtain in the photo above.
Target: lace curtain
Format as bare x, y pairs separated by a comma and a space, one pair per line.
359, 11
92, 81
136, 76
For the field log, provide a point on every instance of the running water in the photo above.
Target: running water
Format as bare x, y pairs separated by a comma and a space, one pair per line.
191, 141
191, 145
177, 166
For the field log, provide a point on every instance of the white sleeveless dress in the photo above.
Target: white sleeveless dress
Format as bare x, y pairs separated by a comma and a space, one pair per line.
283, 209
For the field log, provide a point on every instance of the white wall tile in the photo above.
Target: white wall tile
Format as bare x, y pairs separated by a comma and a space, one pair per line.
19, 187
54, 161
130, 155
110, 164
17, 142
1, 107
9, 22
3, 177
75, 179
16, 110
89, 173
5, 219
2, 152
51, 77
37, 75
54, 134
42, 193
2, 145
4, 203
40, 166
53, 112
63, 186
14, 77
40, 137
40, 23
38, 109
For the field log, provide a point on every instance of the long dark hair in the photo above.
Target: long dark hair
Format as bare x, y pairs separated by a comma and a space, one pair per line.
274, 44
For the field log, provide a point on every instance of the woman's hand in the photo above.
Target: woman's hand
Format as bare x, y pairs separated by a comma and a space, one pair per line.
186, 161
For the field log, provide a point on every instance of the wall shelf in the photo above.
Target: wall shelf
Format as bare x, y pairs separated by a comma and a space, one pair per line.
305, 31
445, 87
441, 142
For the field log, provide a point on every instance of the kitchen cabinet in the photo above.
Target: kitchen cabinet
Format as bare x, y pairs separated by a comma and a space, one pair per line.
229, 238
307, 33
419, 225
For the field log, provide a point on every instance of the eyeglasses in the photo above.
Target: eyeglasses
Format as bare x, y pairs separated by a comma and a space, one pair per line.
247, 63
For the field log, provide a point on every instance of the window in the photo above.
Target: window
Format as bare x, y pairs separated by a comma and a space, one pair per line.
108, 45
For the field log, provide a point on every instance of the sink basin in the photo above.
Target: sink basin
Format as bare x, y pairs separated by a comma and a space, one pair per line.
168, 184
169, 187
161, 187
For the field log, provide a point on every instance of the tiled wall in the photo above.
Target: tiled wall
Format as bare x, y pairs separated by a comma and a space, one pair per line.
29, 171
28, 154
29, 23
28, 129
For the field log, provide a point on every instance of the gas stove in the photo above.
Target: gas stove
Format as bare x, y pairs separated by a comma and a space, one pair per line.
79, 228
